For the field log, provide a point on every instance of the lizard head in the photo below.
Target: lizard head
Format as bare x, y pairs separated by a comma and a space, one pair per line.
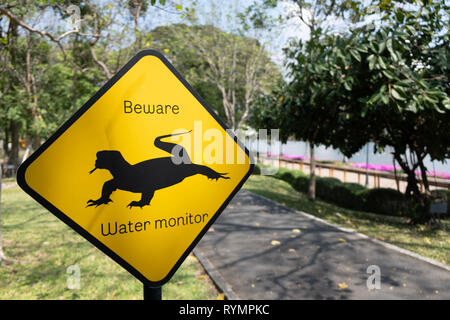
108, 159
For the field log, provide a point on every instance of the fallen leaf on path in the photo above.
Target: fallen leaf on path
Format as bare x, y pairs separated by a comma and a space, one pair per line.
291, 250
342, 240
257, 224
342, 285
220, 296
296, 230
275, 242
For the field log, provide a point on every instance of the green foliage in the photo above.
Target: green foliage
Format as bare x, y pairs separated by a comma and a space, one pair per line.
301, 184
256, 170
172, 42
50, 246
286, 176
348, 195
218, 64
384, 200
324, 186
389, 85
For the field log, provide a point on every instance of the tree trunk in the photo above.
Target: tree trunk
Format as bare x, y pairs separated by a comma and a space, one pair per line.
6, 141
2, 255
312, 176
412, 189
6, 149
419, 204
14, 154
35, 141
423, 173
74, 88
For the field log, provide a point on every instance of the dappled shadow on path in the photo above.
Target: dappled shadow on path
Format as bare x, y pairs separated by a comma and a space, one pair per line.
267, 251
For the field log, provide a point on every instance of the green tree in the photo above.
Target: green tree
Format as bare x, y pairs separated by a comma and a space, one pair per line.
228, 70
304, 99
405, 77
388, 85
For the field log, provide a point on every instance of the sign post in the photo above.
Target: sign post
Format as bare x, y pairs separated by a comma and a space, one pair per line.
142, 170
152, 293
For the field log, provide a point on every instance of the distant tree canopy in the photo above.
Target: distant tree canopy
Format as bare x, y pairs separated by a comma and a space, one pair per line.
388, 84
227, 70
49, 67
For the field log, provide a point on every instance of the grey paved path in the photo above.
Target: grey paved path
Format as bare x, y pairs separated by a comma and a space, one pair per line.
255, 251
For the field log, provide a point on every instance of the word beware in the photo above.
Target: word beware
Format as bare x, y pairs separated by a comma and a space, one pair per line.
129, 107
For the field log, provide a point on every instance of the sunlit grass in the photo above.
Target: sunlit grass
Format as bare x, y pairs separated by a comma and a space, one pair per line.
41, 248
426, 241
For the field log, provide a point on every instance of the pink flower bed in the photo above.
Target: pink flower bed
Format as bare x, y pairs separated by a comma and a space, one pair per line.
293, 157
286, 156
379, 167
384, 167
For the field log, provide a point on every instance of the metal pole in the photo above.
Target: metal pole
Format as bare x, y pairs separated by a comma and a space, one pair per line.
367, 165
152, 293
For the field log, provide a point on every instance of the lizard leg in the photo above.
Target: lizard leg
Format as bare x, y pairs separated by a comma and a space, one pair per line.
108, 188
145, 200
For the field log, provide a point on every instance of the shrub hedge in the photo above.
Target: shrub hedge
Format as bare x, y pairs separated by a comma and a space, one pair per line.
384, 201
256, 170
347, 195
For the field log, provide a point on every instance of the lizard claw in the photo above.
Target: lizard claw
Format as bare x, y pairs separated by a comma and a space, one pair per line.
139, 204
98, 202
217, 175
135, 204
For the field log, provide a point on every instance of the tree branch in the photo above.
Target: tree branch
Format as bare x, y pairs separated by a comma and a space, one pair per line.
42, 33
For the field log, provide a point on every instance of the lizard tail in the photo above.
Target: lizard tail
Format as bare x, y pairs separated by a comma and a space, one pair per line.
172, 135
172, 148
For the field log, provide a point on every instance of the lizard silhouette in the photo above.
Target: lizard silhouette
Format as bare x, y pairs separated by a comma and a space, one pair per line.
148, 176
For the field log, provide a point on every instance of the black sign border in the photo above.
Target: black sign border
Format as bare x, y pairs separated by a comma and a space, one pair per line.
23, 184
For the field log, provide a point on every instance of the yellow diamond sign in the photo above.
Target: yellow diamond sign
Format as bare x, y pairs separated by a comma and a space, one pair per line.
142, 170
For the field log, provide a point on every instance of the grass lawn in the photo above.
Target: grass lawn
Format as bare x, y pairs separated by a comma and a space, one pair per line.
426, 241
41, 248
